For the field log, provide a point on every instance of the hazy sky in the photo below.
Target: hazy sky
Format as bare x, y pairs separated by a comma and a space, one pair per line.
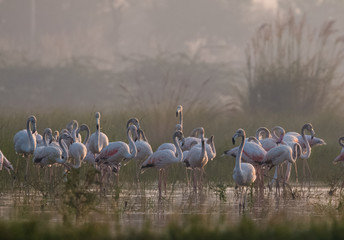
214, 30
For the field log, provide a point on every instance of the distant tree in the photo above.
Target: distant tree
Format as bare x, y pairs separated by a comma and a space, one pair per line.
294, 69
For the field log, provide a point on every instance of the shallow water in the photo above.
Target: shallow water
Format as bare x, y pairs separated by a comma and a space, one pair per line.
136, 207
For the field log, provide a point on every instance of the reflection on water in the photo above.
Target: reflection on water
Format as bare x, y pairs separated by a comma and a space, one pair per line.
136, 207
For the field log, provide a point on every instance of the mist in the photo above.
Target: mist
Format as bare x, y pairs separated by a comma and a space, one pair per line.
84, 54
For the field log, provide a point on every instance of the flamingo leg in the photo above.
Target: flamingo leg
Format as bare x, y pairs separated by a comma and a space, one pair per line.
245, 196
278, 192
164, 174
187, 177
308, 168
27, 169
159, 184
194, 180
296, 174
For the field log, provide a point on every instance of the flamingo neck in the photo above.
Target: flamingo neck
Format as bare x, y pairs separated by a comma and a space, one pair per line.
32, 141
307, 154
238, 157
212, 145
178, 149
64, 152
132, 145
98, 134
340, 141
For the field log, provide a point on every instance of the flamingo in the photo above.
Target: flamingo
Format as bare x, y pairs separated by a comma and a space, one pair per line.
117, 152
77, 150
97, 140
192, 140
254, 154
4, 163
290, 138
25, 141
340, 157
72, 127
270, 141
163, 158
197, 158
144, 150
244, 174
280, 154
51, 155
179, 127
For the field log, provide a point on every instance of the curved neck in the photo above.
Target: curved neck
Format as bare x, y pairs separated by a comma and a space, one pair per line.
297, 150
263, 130
132, 146
85, 128
32, 141
281, 132
238, 156
255, 140
340, 141
143, 135
212, 144
45, 133
308, 148
180, 113
98, 133
203, 147
64, 151
178, 149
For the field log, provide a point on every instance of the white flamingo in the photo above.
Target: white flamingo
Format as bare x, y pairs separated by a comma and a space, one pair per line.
252, 153
72, 127
78, 150
51, 154
4, 163
270, 141
116, 153
163, 158
25, 141
280, 154
144, 150
97, 140
244, 174
197, 158
291, 138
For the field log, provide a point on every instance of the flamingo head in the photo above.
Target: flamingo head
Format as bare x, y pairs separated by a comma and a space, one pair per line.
239, 133
133, 121
179, 110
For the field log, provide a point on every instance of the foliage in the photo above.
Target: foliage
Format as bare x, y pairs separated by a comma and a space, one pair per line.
79, 194
294, 69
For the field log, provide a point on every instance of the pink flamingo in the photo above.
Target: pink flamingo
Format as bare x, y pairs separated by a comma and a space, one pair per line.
116, 153
163, 158
340, 157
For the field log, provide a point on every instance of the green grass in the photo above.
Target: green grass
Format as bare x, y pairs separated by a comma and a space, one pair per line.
191, 227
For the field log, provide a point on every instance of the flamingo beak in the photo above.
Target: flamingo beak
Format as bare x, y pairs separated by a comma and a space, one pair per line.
233, 141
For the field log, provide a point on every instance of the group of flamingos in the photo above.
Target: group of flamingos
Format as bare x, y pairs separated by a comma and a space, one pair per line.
254, 154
